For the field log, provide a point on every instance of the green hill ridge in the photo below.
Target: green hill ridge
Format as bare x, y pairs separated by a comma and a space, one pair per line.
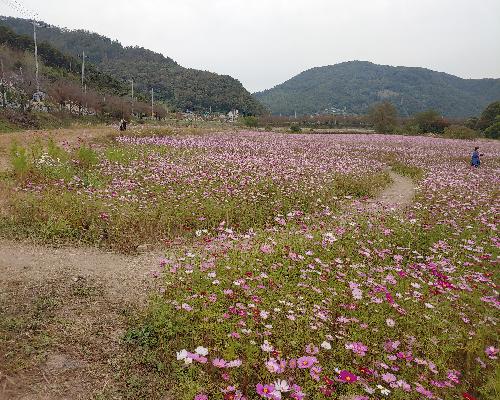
181, 88
352, 87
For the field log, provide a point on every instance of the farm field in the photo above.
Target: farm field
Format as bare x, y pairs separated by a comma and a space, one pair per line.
349, 266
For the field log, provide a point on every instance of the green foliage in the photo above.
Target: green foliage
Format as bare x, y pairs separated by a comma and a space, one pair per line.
460, 132
489, 116
20, 161
430, 121
295, 129
493, 131
408, 128
410, 171
357, 85
179, 87
384, 117
86, 157
250, 121
60, 62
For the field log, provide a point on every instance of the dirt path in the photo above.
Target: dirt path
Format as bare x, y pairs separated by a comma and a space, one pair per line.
395, 197
63, 314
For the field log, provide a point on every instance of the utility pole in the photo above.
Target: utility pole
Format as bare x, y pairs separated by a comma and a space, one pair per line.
3, 86
132, 81
152, 103
83, 69
36, 57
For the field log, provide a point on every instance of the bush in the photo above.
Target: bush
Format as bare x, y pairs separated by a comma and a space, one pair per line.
460, 132
431, 122
20, 161
489, 116
383, 117
295, 129
251, 122
409, 128
493, 132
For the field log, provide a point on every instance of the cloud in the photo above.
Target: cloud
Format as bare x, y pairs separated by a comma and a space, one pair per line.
264, 42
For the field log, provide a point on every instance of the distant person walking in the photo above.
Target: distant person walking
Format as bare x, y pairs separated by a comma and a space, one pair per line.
123, 125
476, 158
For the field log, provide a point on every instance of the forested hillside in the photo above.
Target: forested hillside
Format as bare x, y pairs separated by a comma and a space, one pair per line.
355, 86
180, 87
62, 65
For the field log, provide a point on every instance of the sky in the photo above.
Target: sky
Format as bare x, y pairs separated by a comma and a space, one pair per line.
263, 43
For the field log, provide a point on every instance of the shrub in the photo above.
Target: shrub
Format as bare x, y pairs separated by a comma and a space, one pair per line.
383, 117
251, 122
460, 132
409, 128
20, 161
493, 132
431, 122
295, 129
489, 116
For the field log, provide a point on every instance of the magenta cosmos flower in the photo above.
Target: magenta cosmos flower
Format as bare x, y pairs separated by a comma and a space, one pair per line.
348, 377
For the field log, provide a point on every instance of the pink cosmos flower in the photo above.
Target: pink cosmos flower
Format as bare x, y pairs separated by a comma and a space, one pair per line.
276, 366
491, 352
389, 378
265, 391
315, 372
266, 249
312, 349
297, 394
198, 358
454, 376
347, 377
357, 348
306, 362
201, 396
423, 391
219, 363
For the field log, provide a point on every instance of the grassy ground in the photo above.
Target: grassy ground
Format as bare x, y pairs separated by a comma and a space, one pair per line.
290, 286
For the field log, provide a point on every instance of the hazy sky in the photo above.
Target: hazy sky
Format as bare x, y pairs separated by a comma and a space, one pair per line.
265, 42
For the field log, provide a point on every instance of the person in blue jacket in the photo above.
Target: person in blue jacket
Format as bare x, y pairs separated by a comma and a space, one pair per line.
476, 158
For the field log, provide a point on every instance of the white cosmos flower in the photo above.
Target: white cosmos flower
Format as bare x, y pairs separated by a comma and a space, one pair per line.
326, 345
202, 351
181, 355
281, 386
267, 347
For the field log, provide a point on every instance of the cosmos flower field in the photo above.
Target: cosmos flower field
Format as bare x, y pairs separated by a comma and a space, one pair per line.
292, 289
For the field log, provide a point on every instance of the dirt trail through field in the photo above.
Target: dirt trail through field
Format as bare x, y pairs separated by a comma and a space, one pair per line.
63, 313
395, 197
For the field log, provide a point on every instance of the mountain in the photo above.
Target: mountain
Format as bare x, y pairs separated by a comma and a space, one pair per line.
354, 86
61, 65
182, 88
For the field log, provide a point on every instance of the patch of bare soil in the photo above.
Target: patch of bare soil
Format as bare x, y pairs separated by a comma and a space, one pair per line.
395, 197
63, 314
